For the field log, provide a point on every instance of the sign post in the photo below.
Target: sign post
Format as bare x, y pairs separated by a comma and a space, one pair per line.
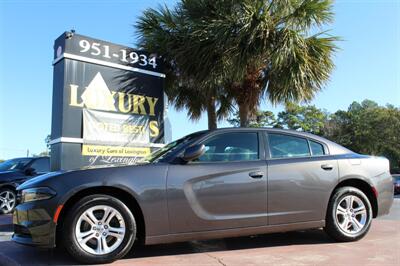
108, 103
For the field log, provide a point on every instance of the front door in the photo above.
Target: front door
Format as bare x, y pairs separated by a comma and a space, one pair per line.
225, 188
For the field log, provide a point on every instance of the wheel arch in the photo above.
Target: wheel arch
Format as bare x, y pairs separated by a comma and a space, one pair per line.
9, 186
128, 199
365, 187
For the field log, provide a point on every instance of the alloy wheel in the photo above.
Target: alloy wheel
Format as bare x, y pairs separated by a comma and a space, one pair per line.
351, 214
100, 230
7, 201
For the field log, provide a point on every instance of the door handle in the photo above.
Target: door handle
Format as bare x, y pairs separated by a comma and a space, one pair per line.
327, 167
256, 174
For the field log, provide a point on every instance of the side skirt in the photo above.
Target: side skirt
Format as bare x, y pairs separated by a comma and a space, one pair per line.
181, 237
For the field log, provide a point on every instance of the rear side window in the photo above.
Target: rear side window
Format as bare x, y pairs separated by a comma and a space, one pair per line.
316, 148
232, 146
285, 146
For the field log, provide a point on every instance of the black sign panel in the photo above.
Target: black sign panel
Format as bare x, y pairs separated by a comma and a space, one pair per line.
75, 44
121, 92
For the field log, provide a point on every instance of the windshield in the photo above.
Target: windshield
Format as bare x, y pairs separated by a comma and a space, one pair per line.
14, 164
172, 146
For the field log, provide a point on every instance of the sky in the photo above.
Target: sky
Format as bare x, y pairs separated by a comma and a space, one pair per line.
367, 65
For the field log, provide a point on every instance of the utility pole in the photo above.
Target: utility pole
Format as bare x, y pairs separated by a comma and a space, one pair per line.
27, 152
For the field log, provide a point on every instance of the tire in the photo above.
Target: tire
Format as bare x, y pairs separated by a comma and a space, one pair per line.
347, 206
8, 200
96, 229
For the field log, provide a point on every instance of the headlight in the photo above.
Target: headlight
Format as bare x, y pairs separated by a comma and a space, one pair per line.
34, 194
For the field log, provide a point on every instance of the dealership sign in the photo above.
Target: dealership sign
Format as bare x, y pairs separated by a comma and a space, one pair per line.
108, 103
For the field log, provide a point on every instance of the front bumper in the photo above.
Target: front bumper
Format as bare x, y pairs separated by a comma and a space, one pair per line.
33, 224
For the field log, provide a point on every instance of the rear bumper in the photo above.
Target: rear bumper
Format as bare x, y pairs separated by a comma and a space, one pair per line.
384, 188
33, 225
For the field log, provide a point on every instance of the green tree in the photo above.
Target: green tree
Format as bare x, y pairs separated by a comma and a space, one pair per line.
48, 147
43, 153
259, 119
274, 55
249, 48
47, 141
306, 118
367, 128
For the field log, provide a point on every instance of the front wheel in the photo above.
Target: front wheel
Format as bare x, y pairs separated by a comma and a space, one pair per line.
8, 200
99, 229
349, 215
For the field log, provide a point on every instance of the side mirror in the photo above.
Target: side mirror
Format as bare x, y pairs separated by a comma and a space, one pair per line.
194, 152
30, 171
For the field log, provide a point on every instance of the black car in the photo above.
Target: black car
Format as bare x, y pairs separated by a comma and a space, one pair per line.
396, 183
14, 172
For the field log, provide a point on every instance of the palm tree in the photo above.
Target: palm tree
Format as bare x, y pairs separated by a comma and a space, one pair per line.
198, 98
253, 49
166, 32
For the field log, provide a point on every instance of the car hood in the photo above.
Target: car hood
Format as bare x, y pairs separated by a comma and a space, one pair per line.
41, 178
10, 175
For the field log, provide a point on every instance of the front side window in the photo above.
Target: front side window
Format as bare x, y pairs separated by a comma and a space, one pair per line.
285, 146
171, 147
41, 165
228, 147
316, 148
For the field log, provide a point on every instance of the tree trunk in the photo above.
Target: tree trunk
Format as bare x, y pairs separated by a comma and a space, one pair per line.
244, 114
247, 95
211, 113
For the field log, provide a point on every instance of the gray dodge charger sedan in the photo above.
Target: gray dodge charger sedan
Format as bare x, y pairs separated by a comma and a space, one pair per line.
210, 184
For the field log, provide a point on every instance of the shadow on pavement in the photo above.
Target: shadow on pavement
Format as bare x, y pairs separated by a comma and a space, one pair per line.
6, 222
14, 254
249, 242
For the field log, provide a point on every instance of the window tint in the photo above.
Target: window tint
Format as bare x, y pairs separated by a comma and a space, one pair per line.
41, 165
316, 148
283, 146
240, 146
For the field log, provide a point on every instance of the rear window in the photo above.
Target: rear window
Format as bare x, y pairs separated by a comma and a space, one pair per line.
317, 149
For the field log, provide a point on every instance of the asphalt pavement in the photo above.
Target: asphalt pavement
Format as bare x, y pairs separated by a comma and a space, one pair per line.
381, 246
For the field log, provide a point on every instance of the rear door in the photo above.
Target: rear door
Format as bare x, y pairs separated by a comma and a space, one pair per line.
301, 175
225, 188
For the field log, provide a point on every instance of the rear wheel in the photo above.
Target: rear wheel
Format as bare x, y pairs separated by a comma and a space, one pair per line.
99, 229
349, 215
8, 200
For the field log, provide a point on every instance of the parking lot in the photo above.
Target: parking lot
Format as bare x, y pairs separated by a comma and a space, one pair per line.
380, 247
